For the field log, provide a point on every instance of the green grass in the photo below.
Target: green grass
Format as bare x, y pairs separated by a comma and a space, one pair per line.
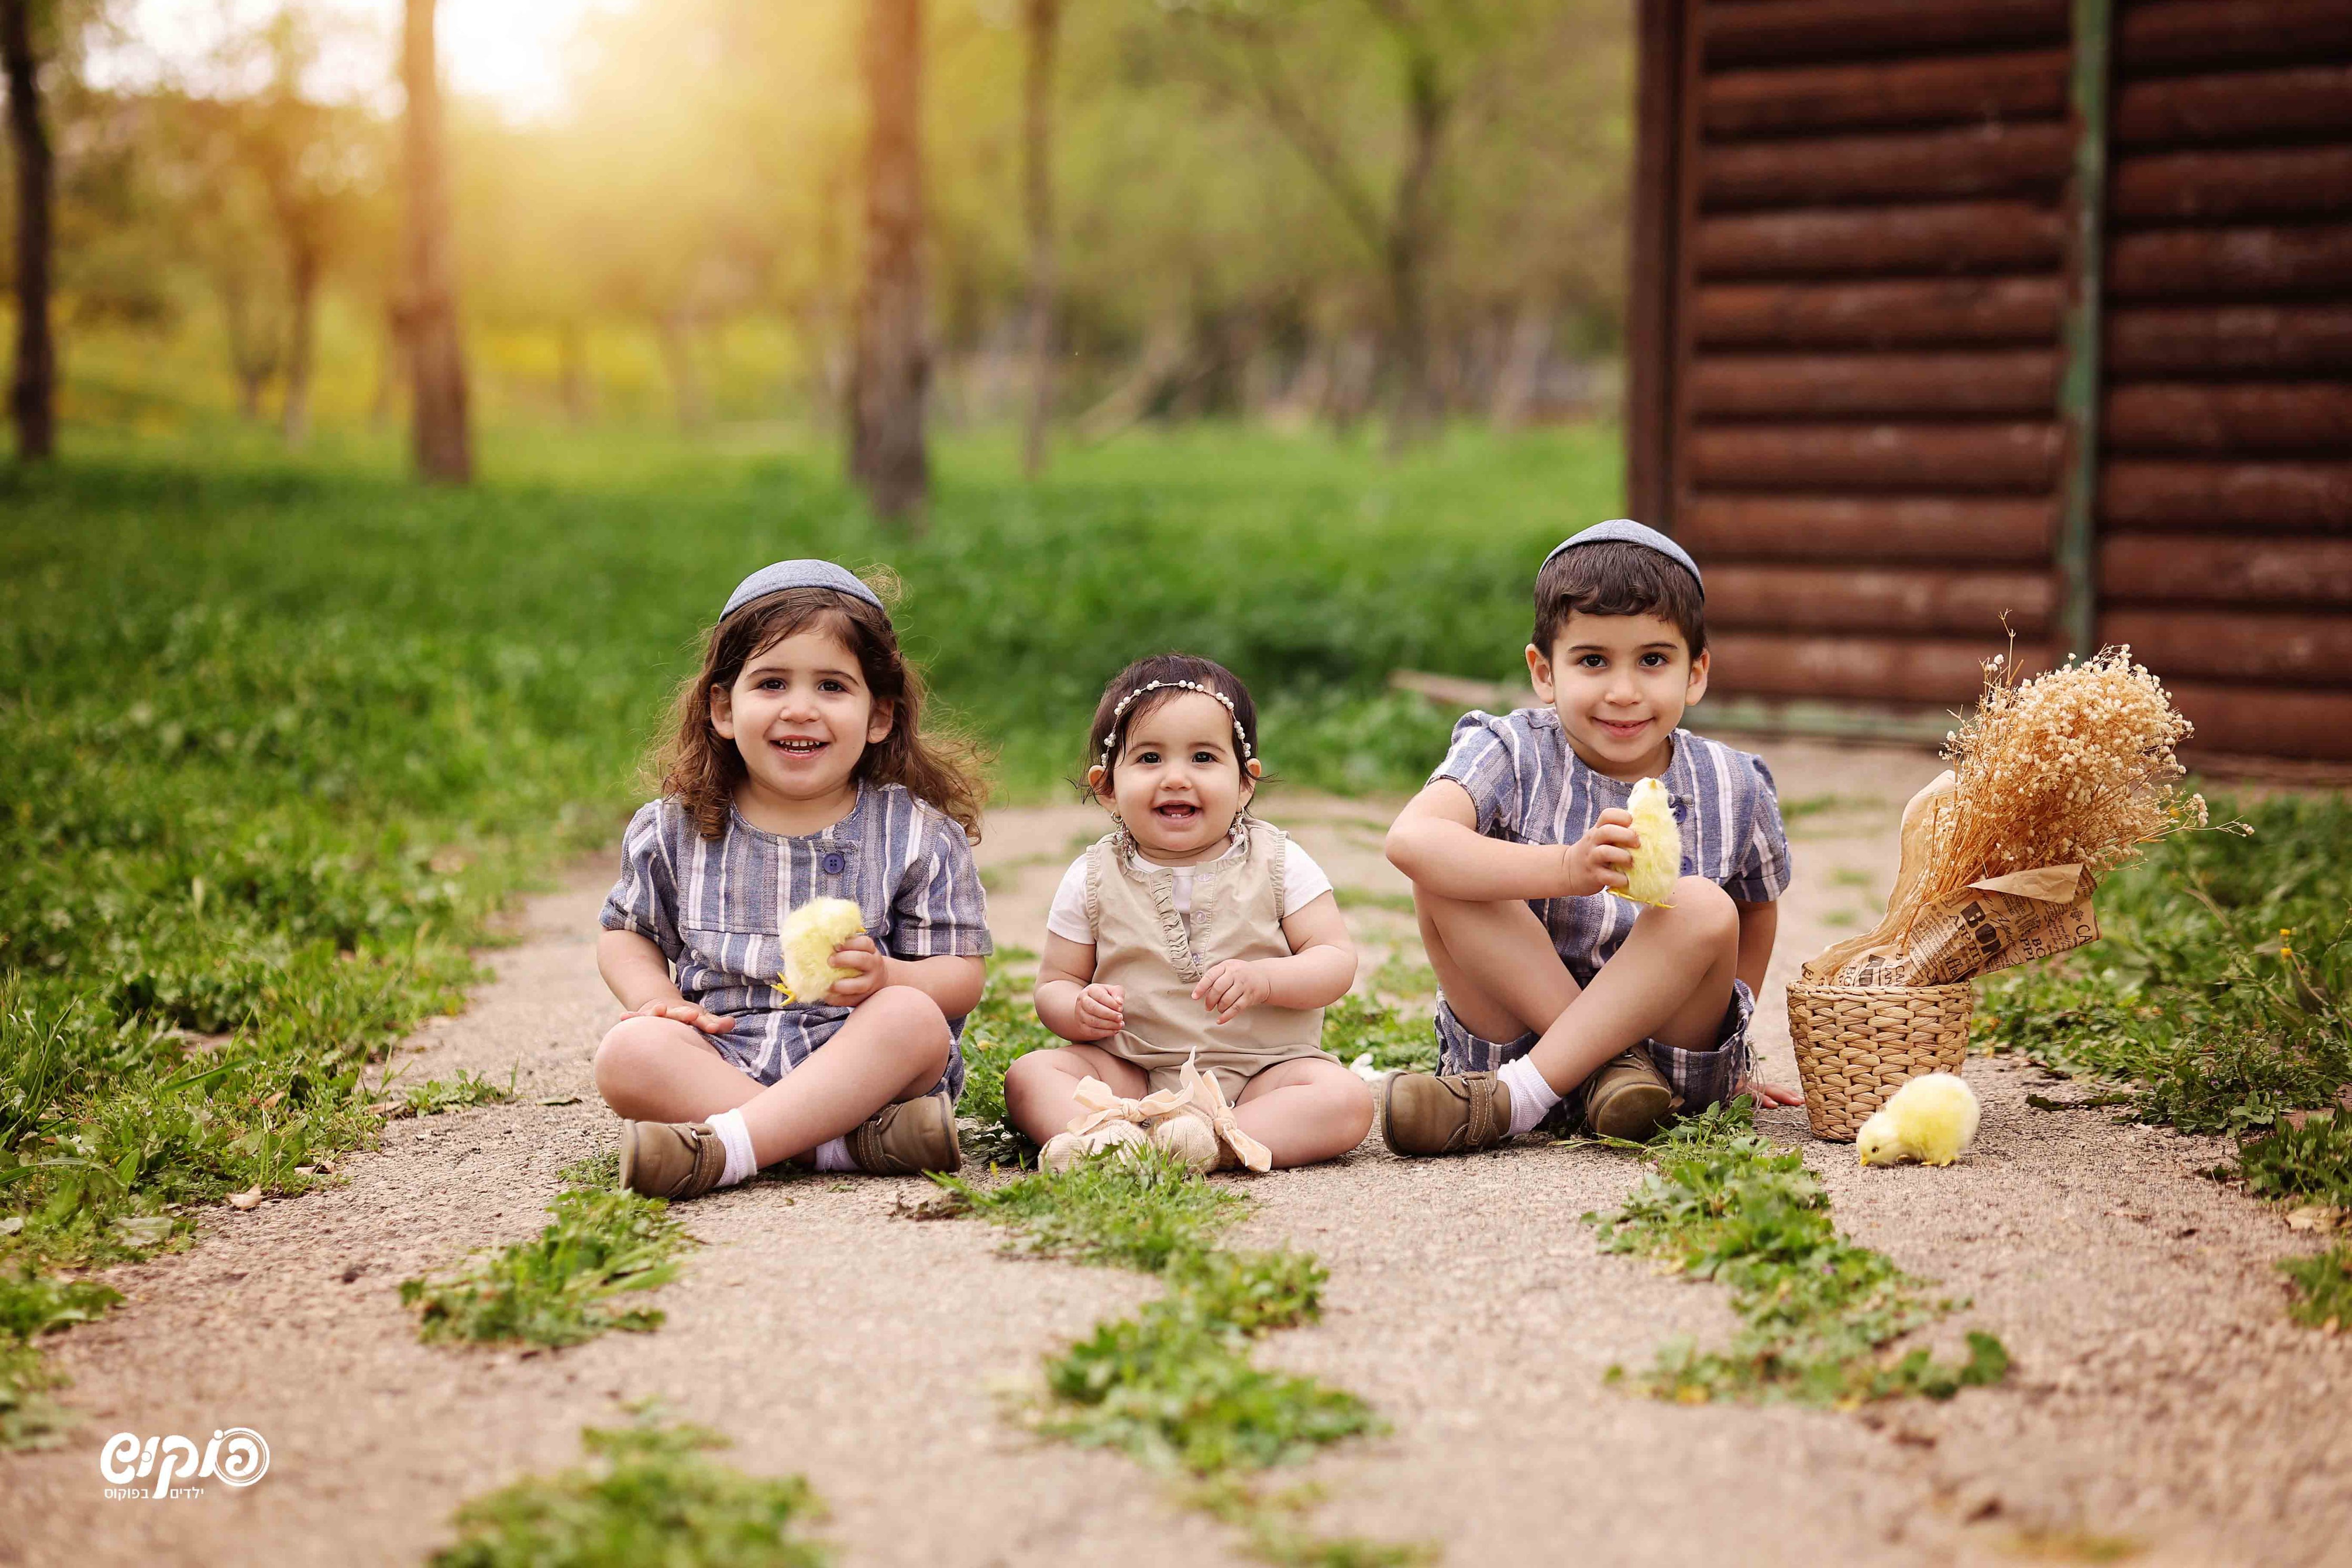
1355, 1026
2220, 999
284, 732
1000, 1030
1141, 1214
30, 1307
436, 1095
649, 1496
1723, 1203
1173, 1385
564, 1285
2220, 990
2310, 1163
2322, 1284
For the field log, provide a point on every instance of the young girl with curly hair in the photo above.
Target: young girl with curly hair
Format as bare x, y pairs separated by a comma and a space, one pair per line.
798, 769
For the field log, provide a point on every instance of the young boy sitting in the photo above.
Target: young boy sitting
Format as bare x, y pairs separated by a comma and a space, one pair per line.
1557, 997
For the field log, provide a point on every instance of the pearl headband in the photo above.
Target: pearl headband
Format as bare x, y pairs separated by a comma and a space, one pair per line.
1121, 712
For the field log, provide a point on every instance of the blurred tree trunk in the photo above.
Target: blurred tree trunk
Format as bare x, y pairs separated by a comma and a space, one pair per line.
302, 300
886, 415
440, 436
253, 345
1412, 229
675, 329
572, 374
1403, 234
32, 393
1044, 21
1521, 375
390, 370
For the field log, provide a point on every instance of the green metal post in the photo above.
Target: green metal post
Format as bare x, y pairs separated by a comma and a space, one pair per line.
2079, 389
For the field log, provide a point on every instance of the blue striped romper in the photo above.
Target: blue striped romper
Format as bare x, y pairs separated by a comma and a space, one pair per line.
714, 908
1530, 788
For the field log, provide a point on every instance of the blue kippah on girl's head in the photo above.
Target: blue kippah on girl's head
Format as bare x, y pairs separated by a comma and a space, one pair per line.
1626, 531
799, 574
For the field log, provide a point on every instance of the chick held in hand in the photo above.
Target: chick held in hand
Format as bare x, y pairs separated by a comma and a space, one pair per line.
1932, 1120
812, 934
1658, 857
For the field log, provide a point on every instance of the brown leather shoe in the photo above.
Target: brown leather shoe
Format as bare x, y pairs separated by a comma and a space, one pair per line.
912, 1135
671, 1159
1426, 1113
1629, 1098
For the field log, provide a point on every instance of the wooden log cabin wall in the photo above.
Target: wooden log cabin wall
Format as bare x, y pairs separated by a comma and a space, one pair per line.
1948, 309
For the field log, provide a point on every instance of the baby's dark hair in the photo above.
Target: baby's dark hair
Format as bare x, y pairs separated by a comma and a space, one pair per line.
1617, 578
701, 767
1112, 722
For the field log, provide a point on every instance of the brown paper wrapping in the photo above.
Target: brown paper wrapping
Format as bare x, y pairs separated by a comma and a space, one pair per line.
1996, 923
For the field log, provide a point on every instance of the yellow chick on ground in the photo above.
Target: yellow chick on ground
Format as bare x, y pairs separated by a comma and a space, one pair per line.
811, 935
1932, 1120
1658, 859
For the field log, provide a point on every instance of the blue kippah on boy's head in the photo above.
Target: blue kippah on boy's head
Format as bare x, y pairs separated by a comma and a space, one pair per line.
799, 574
1626, 531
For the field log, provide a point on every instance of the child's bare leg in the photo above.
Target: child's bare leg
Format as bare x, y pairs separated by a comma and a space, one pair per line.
1495, 962
659, 1069
1041, 1089
893, 1047
1671, 981
1304, 1111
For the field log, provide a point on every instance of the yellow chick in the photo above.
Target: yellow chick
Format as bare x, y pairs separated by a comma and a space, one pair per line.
1931, 1119
811, 935
1658, 859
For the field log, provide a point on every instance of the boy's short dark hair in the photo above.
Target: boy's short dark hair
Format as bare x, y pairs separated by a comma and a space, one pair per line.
1617, 578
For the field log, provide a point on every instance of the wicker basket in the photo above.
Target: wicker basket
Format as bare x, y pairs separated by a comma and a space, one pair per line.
1857, 1044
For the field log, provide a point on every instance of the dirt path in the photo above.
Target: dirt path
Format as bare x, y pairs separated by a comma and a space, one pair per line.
2159, 1395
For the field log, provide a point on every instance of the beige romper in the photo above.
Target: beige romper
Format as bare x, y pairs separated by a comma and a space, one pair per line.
1157, 955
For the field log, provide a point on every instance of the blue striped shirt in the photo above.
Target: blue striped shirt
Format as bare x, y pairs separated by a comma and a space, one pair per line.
1530, 788
715, 908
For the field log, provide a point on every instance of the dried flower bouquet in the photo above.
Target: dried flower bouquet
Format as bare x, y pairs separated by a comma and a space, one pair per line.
2056, 779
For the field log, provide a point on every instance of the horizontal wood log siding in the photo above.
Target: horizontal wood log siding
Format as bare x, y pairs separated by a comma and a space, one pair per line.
2225, 503
1866, 449
1861, 205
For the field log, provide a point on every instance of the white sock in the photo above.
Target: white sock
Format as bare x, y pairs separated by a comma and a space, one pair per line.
833, 1154
1531, 1098
741, 1160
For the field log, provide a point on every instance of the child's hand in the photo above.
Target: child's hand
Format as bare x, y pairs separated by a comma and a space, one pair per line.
869, 964
1769, 1096
1102, 1010
692, 1013
1602, 858
1232, 987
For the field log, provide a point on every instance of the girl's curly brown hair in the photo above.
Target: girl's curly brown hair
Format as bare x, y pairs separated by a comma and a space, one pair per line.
701, 769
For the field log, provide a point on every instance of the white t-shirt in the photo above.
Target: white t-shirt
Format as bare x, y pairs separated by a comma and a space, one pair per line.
1303, 883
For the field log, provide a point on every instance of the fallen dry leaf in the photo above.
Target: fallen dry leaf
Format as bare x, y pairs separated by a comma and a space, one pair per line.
249, 1198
